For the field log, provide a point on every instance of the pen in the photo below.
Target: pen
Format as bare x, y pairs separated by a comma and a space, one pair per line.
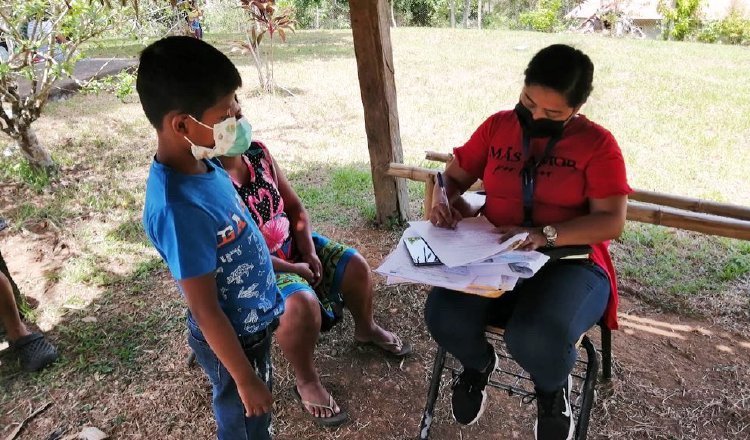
443, 194
441, 184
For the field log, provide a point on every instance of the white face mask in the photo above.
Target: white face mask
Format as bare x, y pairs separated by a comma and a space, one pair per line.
224, 137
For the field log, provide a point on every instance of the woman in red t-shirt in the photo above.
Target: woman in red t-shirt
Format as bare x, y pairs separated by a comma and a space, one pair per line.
551, 172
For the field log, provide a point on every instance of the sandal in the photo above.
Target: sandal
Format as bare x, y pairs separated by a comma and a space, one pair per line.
334, 420
396, 348
34, 351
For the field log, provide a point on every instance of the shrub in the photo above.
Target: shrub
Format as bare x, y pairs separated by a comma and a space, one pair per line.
734, 29
682, 20
545, 18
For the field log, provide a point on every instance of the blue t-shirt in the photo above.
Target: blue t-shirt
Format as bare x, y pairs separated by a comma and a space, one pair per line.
199, 225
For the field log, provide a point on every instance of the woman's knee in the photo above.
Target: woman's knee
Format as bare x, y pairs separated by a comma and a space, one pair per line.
440, 314
357, 270
301, 311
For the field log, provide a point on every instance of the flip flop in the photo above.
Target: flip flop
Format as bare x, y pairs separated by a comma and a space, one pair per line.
35, 351
334, 420
396, 348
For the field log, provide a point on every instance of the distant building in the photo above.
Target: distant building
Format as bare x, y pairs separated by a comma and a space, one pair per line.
645, 13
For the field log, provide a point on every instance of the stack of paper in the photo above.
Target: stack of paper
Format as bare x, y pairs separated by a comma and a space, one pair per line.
473, 259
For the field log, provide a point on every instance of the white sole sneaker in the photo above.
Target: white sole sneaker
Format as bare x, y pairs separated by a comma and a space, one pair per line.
572, 428
483, 406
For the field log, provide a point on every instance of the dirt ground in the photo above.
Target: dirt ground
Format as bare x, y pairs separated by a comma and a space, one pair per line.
675, 378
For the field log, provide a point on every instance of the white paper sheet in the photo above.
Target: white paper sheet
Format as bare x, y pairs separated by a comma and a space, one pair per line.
473, 239
520, 264
398, 264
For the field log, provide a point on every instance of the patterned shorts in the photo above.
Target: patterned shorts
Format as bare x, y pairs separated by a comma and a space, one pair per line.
334, 257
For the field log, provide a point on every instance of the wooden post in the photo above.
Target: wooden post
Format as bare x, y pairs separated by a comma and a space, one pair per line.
429, 187
372, 48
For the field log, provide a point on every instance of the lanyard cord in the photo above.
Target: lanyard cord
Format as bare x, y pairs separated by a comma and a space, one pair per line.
528, 175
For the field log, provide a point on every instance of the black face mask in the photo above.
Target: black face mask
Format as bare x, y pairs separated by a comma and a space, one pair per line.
538, 128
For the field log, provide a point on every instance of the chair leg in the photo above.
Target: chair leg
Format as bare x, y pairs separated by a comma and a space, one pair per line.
432, 394
606, 353
589, 384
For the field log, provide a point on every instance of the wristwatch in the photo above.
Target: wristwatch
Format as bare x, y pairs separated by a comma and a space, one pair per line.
550, 233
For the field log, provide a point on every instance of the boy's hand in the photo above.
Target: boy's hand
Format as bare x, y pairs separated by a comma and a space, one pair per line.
303, 270
316, 266
255, 396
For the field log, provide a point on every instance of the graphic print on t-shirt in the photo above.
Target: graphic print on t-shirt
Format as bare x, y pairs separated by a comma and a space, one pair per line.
511, 159
201, 226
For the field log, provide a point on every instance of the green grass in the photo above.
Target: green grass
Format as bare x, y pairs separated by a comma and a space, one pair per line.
344, 191
115, 47
129, 231
669, 266
17, 168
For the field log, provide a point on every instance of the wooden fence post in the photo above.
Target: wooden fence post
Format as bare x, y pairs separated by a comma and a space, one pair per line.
372, 48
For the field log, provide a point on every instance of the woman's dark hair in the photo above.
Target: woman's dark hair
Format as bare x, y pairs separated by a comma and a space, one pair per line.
183, 74
564, 69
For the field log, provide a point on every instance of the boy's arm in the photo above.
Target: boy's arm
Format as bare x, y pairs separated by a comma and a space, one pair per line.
280, 265
201, 295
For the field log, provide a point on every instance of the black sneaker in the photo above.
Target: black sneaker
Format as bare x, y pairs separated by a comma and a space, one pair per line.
554, 414
469, 396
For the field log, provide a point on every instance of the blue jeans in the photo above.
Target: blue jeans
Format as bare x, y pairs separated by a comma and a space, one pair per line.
543, 318
229, 410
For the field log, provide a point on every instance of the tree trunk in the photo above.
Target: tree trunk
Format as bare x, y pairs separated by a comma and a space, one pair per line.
453, 13
467, 9
33, 151
393, 15
479, 14
372, 49
20, 300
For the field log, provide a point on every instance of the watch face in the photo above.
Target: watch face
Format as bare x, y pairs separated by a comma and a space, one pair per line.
549, 231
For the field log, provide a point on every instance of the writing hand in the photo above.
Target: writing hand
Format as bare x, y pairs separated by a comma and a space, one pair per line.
444, 216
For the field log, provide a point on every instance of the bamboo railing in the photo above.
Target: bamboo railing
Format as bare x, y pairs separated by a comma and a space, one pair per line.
697, 215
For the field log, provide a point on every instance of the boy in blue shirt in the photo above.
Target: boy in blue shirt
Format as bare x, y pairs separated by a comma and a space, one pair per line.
204, 232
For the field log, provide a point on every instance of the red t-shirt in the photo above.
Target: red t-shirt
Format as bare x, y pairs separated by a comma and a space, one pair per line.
585, 163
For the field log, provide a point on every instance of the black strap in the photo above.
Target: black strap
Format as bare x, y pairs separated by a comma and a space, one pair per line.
528, 175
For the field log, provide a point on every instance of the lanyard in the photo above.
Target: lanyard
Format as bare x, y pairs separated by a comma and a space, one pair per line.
528, 175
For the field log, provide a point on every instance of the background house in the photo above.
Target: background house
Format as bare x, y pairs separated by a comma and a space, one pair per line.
645, 13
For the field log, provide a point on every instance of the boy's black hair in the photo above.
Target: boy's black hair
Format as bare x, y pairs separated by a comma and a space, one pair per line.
564, 69
183, 74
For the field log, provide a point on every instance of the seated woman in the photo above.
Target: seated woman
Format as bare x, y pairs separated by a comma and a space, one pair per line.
553, 173
317, 277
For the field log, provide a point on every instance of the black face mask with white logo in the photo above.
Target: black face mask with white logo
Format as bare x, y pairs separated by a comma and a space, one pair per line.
538, 128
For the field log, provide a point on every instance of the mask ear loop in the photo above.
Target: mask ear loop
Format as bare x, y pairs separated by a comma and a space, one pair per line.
201, 123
